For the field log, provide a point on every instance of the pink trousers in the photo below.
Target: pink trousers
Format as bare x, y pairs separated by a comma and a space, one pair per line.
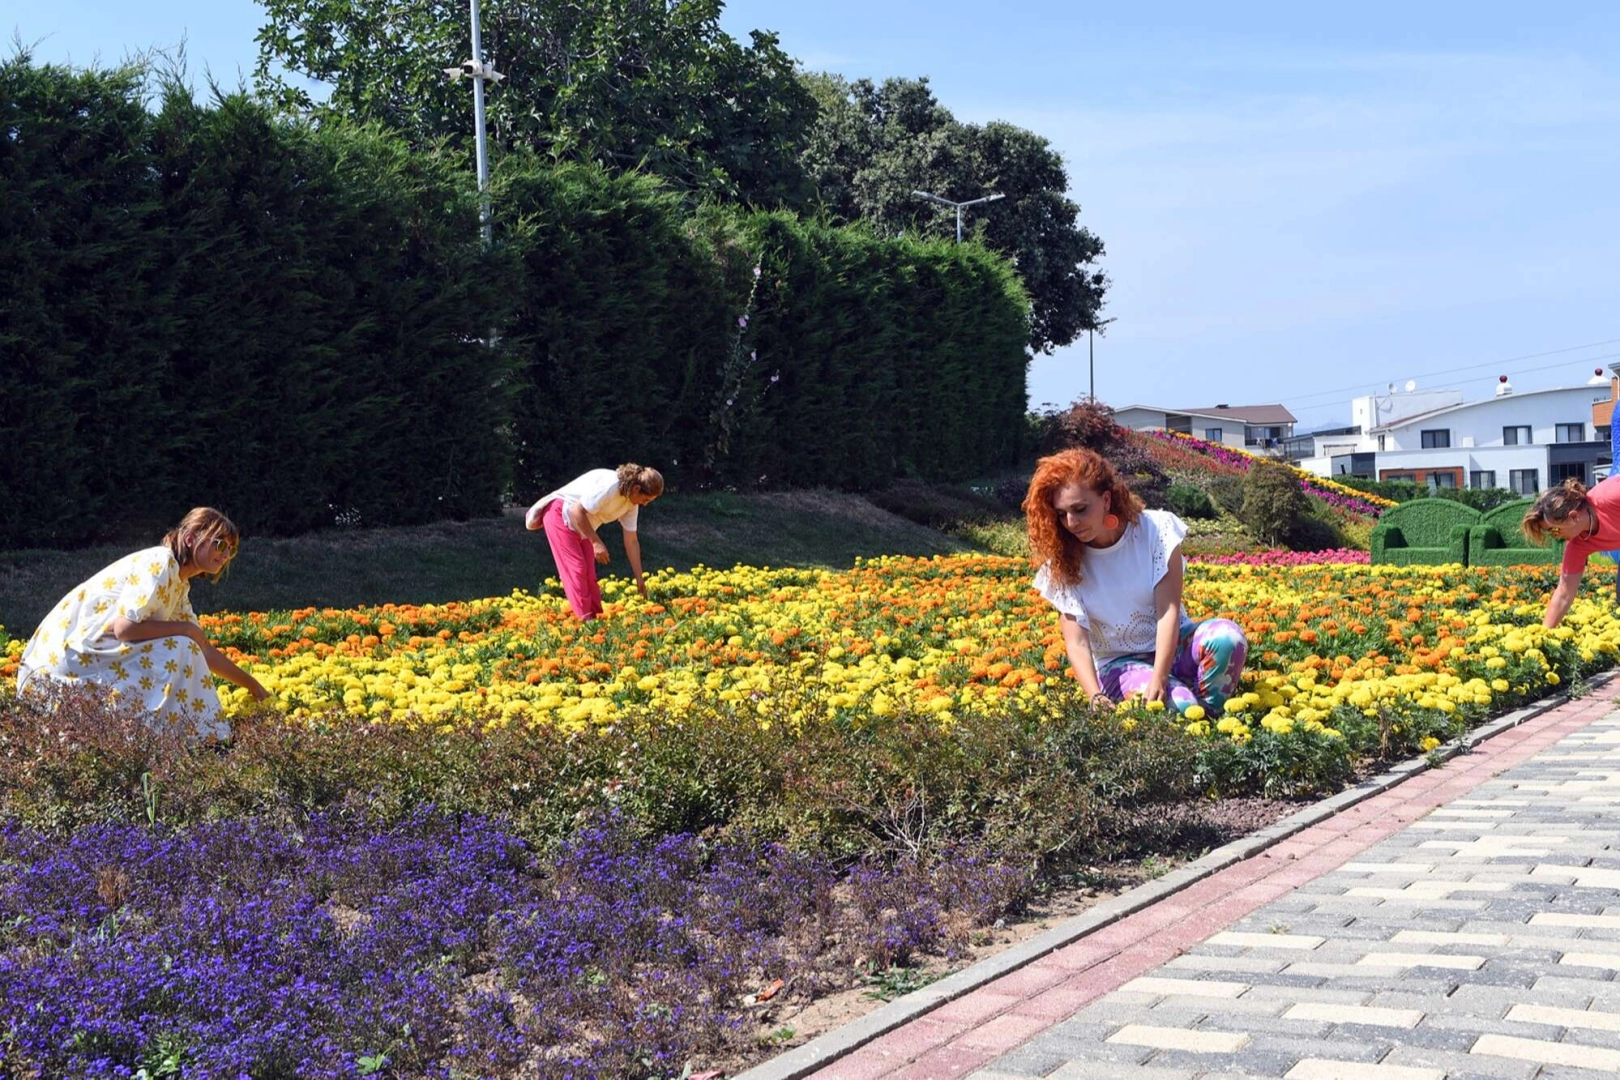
576, 563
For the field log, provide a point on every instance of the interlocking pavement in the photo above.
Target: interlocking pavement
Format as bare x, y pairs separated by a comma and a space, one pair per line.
1463, 924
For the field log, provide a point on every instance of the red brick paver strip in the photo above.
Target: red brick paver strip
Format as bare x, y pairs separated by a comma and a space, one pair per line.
973, 1029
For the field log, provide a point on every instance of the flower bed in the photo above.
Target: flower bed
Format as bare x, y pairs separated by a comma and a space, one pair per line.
938, 638
1238, 461
434, 946
485, 838
1346, 556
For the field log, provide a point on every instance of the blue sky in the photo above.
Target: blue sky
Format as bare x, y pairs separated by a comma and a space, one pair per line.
1301, 202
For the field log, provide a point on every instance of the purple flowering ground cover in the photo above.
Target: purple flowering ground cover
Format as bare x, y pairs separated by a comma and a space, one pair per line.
439, 945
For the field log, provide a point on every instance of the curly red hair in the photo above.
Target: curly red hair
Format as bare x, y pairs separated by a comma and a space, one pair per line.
1049, 542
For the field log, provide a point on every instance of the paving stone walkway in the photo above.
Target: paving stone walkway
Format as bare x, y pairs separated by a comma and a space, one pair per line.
1463, 924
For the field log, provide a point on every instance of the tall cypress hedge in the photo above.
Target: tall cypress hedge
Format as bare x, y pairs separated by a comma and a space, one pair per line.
205, 304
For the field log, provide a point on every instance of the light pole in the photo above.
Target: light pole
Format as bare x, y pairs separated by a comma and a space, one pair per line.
478, 71
947, 202
1091, 353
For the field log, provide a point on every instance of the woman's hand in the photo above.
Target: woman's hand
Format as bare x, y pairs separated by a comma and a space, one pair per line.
1100, 700
253, 687
1158, 689
601, 550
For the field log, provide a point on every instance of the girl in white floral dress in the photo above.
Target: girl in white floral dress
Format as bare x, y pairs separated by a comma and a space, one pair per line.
130, 629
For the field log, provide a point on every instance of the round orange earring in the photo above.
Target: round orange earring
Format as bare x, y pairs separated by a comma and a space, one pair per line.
1111, 521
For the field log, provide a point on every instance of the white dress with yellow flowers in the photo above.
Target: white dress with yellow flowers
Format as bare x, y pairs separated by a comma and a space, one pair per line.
168, 677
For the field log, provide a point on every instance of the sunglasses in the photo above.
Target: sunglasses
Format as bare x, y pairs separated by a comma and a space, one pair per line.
225, 547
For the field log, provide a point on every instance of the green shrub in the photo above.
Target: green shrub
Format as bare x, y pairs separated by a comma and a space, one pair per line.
1481, 499
1274, 504
296, 323
1316, 531
1190, 502
1226, 492
1033, 788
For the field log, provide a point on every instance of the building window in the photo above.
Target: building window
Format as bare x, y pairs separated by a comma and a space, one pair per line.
1442, 480
1212, 434
1482, 479
1380, 442
1523, 481
1437, 440
1570, 433
1601, 433
1516, 436
1406, 477
1569, 470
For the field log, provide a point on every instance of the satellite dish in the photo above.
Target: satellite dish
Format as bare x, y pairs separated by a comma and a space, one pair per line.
1392, 388
1411, 385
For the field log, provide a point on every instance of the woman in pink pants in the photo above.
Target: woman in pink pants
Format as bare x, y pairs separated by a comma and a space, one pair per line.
572, 514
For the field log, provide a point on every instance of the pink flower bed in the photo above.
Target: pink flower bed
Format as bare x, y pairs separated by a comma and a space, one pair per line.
1286, 558
1239, 460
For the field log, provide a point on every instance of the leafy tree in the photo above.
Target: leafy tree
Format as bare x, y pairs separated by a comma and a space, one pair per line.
627, 83
872, 146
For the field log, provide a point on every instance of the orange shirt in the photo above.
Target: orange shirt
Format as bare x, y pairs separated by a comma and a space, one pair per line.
1605, 498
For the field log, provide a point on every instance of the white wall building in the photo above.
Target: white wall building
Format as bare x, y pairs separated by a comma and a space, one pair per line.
1523, 441
1246, 427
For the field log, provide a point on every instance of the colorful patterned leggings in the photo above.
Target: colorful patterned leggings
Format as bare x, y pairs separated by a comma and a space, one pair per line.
1210, 658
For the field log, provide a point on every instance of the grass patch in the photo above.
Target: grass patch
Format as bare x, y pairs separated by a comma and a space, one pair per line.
490, 557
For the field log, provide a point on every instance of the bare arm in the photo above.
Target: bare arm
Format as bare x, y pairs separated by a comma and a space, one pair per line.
225, 668
581, 521
1077, 643
1562, 597
127, 630
1167, 617
632, 551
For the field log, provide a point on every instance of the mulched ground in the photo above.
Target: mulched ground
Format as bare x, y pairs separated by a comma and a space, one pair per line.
1177, 835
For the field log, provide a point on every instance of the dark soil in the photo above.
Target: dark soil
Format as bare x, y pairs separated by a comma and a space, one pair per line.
1176, 835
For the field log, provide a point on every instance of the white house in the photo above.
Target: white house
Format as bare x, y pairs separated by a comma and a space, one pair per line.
1523, 441
1247, 427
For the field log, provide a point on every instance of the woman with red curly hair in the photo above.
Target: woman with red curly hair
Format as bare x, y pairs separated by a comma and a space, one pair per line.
1113, 570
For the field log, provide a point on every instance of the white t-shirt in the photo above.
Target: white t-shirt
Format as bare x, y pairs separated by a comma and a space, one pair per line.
598, 492
1114, 600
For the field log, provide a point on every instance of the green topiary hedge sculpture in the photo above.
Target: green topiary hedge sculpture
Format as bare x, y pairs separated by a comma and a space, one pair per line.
1427, 531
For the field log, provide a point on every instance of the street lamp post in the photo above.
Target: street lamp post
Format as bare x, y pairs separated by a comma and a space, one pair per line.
478, 71
947, 202
1091, 354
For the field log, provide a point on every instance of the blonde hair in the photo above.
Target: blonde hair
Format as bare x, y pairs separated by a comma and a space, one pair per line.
1554, 505
203, 525
640, 479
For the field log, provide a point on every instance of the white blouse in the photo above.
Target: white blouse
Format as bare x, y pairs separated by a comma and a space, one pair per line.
1114, 599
